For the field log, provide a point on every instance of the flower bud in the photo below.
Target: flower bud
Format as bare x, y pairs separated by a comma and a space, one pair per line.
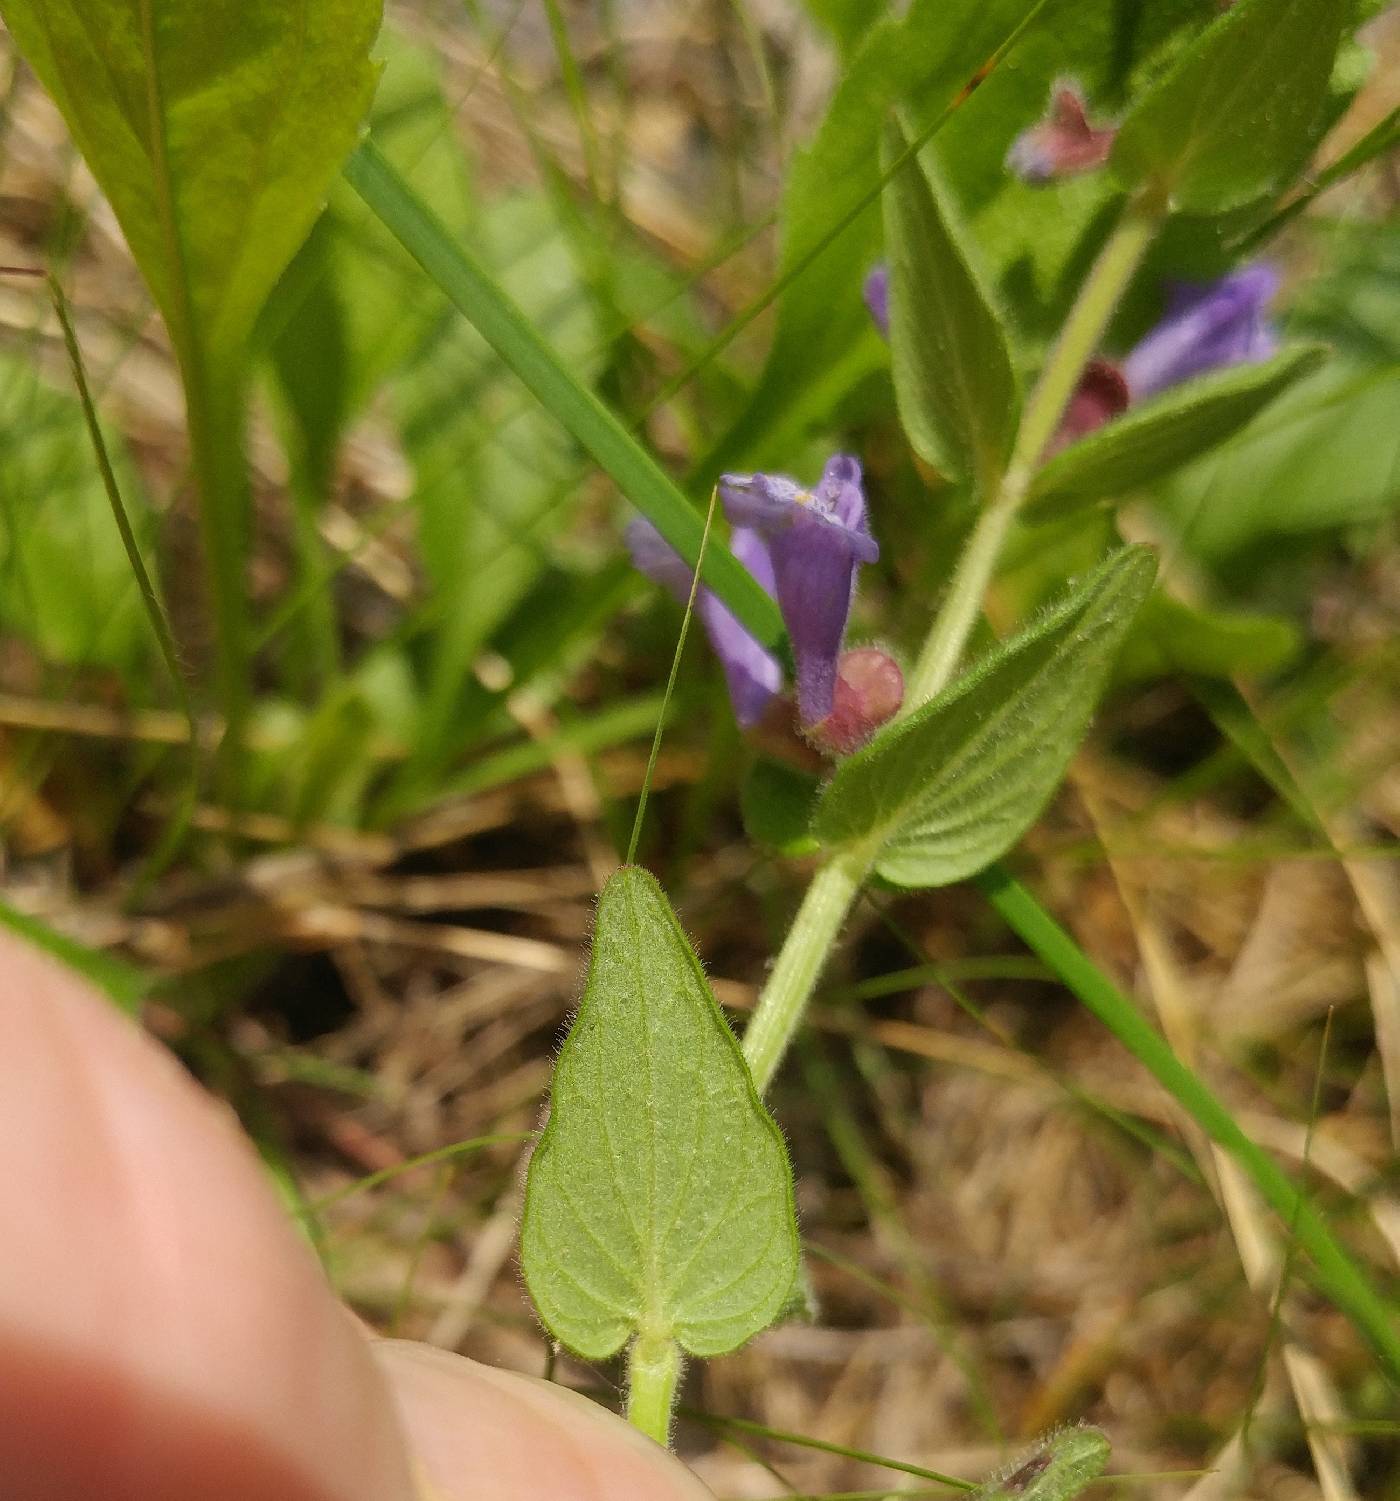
1102, 393
1063, 144
869, 690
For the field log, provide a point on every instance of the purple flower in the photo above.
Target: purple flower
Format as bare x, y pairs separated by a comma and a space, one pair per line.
877, 296
1063, 144
816, 540
1221, 323
752, 674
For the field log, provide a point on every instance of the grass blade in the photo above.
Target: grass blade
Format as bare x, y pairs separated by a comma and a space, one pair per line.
477, 295
1333, 1270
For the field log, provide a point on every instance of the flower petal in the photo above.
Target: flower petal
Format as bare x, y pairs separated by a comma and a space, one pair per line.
877, 297
1206, 327
752, 674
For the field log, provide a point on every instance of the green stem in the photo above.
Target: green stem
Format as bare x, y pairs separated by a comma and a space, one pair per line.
809, 940
1082, 333
835, 886
653, 1374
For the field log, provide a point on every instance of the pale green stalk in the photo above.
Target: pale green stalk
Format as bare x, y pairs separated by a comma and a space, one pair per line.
653, 1372
835, 886
809, 940
1080, 337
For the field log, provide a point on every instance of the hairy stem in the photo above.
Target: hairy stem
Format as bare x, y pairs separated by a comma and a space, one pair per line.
793, 977
1080, 337
653, 1373
835, 886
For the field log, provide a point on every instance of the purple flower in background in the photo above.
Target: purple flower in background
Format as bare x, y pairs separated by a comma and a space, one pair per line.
752, 674
1063, 144
816, 539
1206, 327
877, 296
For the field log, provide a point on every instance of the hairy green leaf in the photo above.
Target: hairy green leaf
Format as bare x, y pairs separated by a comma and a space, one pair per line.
1235, 113
1151, 441
214, 130
953, 375
659, 1200
947, 790
1060, 1466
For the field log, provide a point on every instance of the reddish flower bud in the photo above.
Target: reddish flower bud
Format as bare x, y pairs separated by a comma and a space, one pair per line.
869, 690
1063, 144
1102, 393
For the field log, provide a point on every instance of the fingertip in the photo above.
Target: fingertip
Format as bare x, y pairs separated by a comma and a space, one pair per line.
481, 1433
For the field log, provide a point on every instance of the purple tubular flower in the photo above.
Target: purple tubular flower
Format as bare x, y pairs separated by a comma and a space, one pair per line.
752, 674
816, 539
877, 297
1221, 323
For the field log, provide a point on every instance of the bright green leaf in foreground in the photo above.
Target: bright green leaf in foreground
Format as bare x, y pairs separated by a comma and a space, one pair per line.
950, 788
953, 375
214, 129
1149, 442
659, 1199
1236, 112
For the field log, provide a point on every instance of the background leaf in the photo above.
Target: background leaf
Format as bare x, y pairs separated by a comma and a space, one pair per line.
1326, 455
479, 297
953, 786
659, 1198
1149, 442
823, 328
213, 129
953, 375
1235, 113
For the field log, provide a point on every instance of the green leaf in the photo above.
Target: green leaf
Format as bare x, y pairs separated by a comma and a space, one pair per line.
947, 790
1060, 1466
953, 375
776, 803
1150, 441
1327, 456
214, 130
65, 583
1170, 636
1235, 113
476, 293
659, 1200
831, 221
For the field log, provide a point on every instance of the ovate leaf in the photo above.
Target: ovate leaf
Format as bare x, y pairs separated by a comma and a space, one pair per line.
953, 375
659, 1199
214, 129
1236, 112
1151, 441
944, 792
